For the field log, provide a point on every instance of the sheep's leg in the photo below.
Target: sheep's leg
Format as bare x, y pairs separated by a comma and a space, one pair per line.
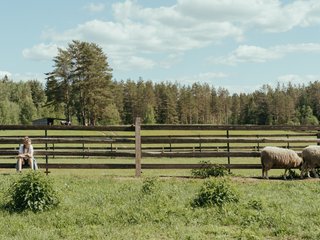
308, 172
302, 174
262, 172
266, 174
285, 174
314, 173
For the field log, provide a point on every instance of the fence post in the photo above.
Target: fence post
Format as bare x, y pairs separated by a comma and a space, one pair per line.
46, 136
82, 147
228, 149
138, 146
318, 137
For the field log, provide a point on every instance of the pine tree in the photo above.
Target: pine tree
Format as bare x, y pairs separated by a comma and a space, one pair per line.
81, 82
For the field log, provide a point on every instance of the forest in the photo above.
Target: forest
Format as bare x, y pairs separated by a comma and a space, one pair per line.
170, 103
80, 88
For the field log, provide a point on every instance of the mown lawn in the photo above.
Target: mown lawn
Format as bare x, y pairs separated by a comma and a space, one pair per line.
97, 205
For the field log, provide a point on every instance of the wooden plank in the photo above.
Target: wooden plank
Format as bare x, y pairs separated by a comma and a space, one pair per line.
42, 166
228, 127
73, 153
138, 147
105, 135
132, 166
197, 166
199, 154
190, 154
174, 140
63, 127
88, 166
154, 148
7, 165
48, 140
162, 127
234, 135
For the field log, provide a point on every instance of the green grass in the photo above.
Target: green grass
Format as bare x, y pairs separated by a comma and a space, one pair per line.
109, 203
147, 172
98, 206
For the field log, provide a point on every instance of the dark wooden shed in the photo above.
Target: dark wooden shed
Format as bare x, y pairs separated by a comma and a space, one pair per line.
47, 121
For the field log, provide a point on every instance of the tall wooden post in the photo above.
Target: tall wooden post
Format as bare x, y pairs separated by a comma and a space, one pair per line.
228, 149
138, 146
46, 146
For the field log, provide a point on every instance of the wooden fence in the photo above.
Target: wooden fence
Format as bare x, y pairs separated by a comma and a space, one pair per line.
226, 143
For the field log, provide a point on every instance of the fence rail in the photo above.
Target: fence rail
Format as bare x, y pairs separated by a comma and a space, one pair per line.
138, 145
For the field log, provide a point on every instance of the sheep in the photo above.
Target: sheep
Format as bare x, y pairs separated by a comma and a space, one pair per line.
68, 123
311, 160
278, 157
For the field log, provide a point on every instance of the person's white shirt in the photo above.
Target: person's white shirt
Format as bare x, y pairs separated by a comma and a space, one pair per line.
30, 150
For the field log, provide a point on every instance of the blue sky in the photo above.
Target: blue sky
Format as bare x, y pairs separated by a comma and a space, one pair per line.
238, 45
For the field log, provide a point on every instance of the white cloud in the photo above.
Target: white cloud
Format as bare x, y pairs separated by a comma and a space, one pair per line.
133, 62
95, 7
187, 25
22, 76
206, 77
221, 10
137, 30
298, 79
245, 53
41, 52
5, 73
28, 76
238, 89
268, 15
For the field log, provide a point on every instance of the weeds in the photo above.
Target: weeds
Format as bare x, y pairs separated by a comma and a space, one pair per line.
209, 170
149, 185
32, 191
215, 193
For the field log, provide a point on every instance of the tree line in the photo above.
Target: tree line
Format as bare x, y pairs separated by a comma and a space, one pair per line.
80, 88
169, 103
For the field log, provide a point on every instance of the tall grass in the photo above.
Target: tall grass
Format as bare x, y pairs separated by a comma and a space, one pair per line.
103, 207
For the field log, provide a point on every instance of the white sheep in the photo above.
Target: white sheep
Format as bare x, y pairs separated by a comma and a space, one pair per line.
311, 160
278, 157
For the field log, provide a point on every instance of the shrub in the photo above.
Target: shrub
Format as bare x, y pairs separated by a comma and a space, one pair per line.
31, 191
255, 204
215, 193
209, 170
149, 185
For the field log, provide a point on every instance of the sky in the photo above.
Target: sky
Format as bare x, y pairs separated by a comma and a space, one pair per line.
239, 45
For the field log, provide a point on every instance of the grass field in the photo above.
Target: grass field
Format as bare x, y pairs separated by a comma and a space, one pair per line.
96, 205
110, 204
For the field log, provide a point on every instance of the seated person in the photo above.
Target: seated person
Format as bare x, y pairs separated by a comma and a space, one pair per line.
25, 155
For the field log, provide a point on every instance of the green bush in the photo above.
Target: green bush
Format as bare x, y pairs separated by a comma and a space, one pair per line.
255, 204
209, 170
149, 185
32, 191
215, 192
